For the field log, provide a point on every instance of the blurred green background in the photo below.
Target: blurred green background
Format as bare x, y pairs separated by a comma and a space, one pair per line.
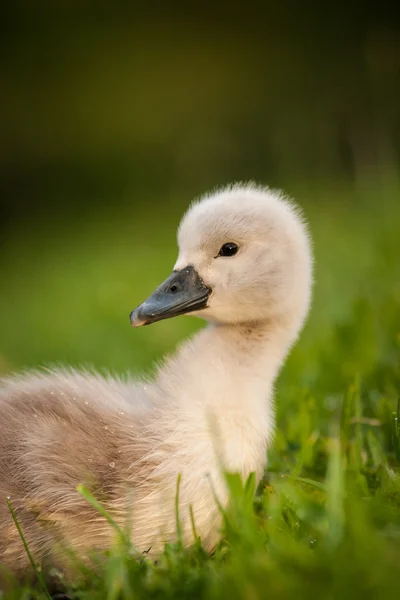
114, 117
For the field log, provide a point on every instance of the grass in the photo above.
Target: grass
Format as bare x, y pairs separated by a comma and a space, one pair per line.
326, 520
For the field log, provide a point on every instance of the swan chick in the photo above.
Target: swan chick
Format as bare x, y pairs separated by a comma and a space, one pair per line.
245, 266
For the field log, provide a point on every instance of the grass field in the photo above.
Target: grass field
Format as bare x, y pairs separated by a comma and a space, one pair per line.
326, 521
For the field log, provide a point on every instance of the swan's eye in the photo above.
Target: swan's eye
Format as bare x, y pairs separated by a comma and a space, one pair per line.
228, 249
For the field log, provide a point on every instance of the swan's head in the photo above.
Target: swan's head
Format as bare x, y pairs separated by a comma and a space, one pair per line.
244, 256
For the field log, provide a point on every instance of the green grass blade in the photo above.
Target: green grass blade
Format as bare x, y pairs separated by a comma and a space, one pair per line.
85, 493
177, 515
193, 524
335, 491
316, 484
396, 431
34, 566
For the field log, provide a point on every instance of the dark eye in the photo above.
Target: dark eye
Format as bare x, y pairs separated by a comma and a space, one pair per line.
228, 249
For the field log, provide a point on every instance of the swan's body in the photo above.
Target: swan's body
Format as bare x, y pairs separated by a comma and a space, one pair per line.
209, 407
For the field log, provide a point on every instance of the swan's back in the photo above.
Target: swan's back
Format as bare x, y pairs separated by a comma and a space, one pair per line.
58, 430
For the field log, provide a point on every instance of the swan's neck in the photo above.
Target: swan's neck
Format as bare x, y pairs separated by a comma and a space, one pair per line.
227, 366
216, 395
255, 349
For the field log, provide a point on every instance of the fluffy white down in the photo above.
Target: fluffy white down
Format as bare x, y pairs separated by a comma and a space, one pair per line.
210, 405
220, 410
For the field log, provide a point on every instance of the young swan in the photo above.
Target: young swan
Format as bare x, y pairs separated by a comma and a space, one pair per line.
244, 265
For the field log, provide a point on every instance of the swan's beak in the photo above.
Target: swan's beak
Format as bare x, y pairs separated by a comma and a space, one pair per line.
183, 292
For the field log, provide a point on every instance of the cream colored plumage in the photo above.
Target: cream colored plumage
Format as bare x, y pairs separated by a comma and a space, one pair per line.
210, 404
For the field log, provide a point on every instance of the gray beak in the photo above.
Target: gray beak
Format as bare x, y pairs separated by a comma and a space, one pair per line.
183, 292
